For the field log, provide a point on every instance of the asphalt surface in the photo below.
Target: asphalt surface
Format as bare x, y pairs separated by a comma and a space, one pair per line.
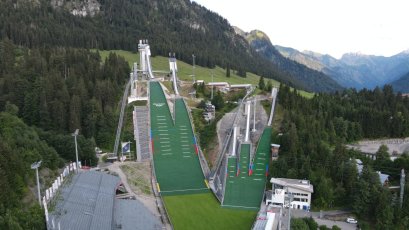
323, 221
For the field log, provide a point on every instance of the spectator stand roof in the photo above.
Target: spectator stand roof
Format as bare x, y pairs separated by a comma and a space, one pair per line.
89, 202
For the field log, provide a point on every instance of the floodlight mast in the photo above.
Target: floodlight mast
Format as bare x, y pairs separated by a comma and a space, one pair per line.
75, 134
35, 166
193, 56
212, 86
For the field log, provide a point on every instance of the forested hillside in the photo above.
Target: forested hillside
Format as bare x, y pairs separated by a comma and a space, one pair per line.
55, 90
20, 146
314, 131
180, 26
63, 89
402, 84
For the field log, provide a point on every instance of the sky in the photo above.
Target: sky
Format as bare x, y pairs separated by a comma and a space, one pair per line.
335, 27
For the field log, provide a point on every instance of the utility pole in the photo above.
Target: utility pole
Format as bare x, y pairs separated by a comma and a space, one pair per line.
35, 166
402, 186
193, 56
75, 134
212, 86
290, 196
254, 112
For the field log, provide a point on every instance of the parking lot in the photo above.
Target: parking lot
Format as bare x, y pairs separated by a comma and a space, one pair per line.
340, 215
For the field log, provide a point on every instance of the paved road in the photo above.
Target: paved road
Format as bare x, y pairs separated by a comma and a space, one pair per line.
342, 224
329, 223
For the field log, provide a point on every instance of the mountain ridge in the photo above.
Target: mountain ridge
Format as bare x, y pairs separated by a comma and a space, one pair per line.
262, 44
353, 70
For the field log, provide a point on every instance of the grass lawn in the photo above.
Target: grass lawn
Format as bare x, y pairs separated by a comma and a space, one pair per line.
185, 70
203, 211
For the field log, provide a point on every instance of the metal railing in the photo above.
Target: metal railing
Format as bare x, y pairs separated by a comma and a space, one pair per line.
121, 117
227, 141
274, 93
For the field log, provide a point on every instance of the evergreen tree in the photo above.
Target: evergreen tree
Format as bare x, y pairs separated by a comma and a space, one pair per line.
228, 70
269, 86
218, 101
261, 83
382, 158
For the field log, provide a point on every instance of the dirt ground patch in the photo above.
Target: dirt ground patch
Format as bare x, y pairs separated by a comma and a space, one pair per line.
139, 176
136, 177
211, 154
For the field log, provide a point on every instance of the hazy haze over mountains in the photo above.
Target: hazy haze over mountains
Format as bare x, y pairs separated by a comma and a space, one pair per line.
353, 69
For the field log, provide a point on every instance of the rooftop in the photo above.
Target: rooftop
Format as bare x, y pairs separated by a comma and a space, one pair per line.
240, 85
218, 83
294, 183
88, 202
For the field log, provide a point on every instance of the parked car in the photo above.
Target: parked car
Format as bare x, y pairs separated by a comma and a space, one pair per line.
351, 220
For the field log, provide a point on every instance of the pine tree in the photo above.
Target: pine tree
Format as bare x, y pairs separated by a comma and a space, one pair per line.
218, 101
269, 86
261, 83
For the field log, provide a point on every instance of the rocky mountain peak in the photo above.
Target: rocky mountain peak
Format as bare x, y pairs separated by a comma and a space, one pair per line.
81, 8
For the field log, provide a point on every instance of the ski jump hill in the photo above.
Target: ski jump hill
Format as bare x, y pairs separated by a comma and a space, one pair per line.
174, 149
175, 152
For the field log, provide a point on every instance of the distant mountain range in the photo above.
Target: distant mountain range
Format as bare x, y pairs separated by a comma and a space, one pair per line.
303, 73
354, 70
402, 84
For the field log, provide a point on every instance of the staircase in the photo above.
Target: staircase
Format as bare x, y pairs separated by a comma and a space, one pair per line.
141, 132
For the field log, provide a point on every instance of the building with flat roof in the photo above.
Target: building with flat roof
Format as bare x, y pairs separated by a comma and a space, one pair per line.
239, 87
218, 85
300, 190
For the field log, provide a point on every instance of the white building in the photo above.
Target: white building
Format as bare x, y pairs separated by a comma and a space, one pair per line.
300, 190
